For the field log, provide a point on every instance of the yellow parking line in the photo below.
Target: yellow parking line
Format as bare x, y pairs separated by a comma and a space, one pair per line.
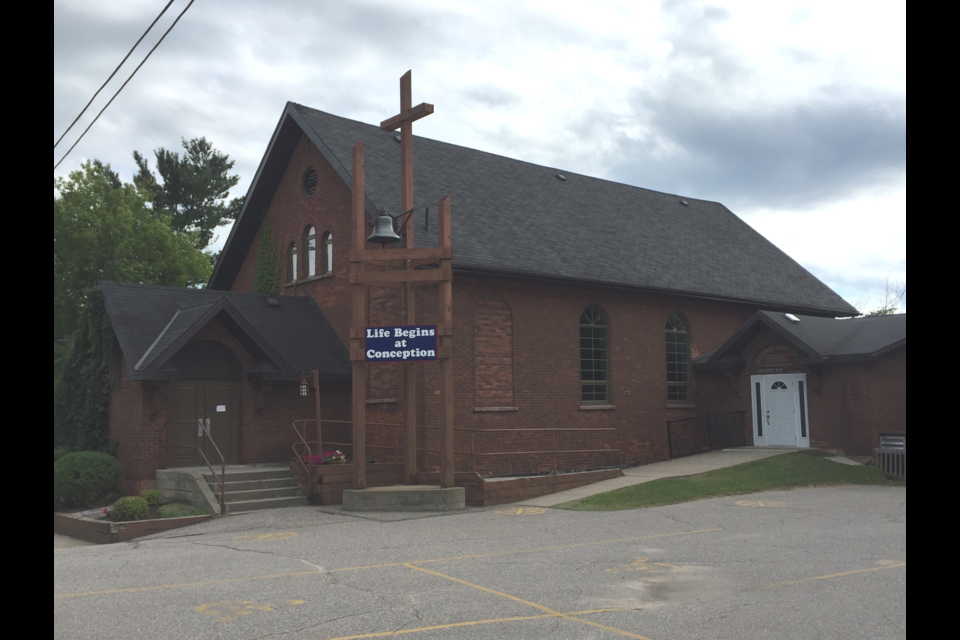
454, 625
831, 576
539, 607
298, 574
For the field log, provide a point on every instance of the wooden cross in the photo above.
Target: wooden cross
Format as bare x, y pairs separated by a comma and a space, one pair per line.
361, 279
404, 121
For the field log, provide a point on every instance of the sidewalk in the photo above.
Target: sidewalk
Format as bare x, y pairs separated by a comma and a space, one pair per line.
688, 466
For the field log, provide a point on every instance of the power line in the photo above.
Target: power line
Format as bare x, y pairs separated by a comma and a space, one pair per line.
112, 74
123, 85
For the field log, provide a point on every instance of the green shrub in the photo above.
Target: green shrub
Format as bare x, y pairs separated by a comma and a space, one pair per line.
153, 497
130, 508
181, 511
86, 479
59, 452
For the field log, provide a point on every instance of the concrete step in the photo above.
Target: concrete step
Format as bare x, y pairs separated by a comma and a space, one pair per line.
251, 485
253, 474
269, 503
262, 494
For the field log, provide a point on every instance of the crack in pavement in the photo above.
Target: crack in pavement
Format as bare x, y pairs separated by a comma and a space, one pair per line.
311, 627
263, 553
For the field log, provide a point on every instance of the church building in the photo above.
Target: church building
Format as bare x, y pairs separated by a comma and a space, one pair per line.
587, 315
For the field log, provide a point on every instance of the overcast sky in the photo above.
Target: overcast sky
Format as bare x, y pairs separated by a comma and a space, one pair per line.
791, 113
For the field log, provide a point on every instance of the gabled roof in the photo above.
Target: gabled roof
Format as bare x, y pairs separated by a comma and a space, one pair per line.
515, 218
818, 340
286, 337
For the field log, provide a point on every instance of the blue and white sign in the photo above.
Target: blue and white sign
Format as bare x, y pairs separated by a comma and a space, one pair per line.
401, 344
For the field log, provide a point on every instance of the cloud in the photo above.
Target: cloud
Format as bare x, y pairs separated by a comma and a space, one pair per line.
793, 155
786, 107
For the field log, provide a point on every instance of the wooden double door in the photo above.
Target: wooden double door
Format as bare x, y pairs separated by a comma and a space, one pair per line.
217, 404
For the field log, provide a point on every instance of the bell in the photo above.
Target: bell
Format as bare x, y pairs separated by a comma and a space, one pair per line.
383, 232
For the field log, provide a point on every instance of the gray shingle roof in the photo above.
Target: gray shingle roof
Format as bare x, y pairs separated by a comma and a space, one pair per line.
152, 323
819, 339
518, 218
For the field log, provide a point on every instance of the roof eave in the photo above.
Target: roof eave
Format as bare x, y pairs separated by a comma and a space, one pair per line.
823, 312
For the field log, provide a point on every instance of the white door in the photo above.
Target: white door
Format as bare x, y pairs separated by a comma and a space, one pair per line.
780, 410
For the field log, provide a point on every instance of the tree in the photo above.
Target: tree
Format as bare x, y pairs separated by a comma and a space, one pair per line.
104, 230
894, 295
194, 188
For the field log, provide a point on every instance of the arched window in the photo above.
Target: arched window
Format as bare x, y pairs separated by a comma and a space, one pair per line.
310, 246
678, 359
292, 263
326, 263
594, 376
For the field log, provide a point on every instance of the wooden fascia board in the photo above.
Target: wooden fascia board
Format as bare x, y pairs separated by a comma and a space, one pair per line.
221, 305
252, 333
149, 350
175, 346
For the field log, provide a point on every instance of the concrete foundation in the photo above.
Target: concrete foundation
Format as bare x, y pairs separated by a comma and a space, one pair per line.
186, 486
405, 498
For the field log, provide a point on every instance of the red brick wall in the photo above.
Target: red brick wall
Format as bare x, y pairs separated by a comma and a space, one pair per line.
849, 404
493, 353
516, 345
138, 411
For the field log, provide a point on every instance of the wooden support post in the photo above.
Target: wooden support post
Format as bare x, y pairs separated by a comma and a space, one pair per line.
446, 356
359, 322
316, 400
406, 204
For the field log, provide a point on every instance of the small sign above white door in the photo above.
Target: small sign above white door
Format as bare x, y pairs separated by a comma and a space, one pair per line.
221, 408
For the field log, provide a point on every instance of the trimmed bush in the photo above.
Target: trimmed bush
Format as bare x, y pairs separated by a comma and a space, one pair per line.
153, 497
130, 508
86, 479
59, 452
181, 511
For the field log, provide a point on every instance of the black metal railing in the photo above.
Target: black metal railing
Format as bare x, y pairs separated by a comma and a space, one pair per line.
700, 434
891, 455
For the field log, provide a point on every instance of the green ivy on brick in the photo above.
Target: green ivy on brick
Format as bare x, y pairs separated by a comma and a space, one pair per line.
81, 399
269, 264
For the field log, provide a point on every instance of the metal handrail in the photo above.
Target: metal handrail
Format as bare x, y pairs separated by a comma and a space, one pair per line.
223, 464
473, 453
707, 432
297, 455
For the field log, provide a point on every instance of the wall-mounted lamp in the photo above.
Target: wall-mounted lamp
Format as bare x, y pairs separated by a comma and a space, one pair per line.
304, 386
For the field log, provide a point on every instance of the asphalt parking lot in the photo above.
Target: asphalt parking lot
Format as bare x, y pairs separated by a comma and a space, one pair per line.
810, 563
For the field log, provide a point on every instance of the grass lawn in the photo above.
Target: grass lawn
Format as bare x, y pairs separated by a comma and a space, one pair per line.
779, 472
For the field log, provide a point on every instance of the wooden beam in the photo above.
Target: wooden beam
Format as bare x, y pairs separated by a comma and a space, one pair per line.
422, 110
378, 277
447, 458
359, 395
409, 369
316, 399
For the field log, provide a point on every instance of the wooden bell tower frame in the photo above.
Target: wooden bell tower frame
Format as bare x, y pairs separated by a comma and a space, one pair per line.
407, 277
